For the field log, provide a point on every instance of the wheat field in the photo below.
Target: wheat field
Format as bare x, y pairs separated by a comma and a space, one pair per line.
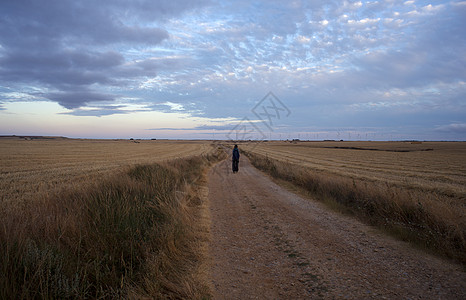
32, 167
438, 167
414, 190
103, 219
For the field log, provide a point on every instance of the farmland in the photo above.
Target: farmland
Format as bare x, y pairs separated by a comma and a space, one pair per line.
102, 219
122, 218
414, 190
428, 166
29, 167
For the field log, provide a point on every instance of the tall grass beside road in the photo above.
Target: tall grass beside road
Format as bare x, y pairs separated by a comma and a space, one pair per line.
132, 234
29, 167
427, 219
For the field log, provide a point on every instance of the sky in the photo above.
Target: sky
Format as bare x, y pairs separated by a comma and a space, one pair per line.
213, 69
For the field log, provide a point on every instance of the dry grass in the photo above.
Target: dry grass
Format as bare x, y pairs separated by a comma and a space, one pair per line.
132, 232
29, 167
419, 195
442, 170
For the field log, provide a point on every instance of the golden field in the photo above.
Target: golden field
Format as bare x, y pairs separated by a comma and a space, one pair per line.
416, 191
430, 166
103, 219
29, 167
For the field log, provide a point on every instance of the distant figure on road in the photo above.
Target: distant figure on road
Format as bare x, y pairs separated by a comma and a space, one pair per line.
235, 159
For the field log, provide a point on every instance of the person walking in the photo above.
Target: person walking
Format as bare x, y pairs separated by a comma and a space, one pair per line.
235, 159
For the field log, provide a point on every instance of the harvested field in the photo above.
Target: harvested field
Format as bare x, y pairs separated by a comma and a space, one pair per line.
103, 219
430, 166
28, 167
415, 191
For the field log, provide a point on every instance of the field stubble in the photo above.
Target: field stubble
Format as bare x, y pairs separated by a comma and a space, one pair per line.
136, 229
415, 190
29, 167
441, 169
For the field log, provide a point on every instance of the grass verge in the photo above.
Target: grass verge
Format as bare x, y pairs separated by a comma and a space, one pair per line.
135, 234
427, 220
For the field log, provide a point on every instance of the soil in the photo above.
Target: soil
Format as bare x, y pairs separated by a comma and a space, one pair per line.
268, 243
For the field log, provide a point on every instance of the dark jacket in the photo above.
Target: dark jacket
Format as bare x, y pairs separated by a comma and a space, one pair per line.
235, 154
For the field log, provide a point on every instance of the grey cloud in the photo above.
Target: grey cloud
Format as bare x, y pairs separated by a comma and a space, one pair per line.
94, 113
60, 46
150, 10
99, 111
128, 34
201, 127
75, 99
227, 58
166, 64
216, 127
435, 54
169, 128
74, 67
171, 106
86, 20
459, 128
94, 60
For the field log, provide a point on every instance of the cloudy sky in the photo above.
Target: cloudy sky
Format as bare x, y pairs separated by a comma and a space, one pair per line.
377, 70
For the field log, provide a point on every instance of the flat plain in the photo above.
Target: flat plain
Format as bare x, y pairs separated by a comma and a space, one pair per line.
101, 218
414, 190
31, 167
270, 218
438, 167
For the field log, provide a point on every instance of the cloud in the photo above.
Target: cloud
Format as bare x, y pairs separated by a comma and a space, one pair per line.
75, 99
210, 128
105, 110
459, 128
61, 47
433, 55
327, 60
59, 68
99, 22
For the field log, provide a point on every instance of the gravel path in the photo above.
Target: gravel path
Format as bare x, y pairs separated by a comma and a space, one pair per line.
268, 243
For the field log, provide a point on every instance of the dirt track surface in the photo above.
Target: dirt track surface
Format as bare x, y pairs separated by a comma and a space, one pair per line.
268, 243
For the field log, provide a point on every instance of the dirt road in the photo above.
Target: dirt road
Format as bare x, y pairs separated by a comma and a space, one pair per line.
268, 243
